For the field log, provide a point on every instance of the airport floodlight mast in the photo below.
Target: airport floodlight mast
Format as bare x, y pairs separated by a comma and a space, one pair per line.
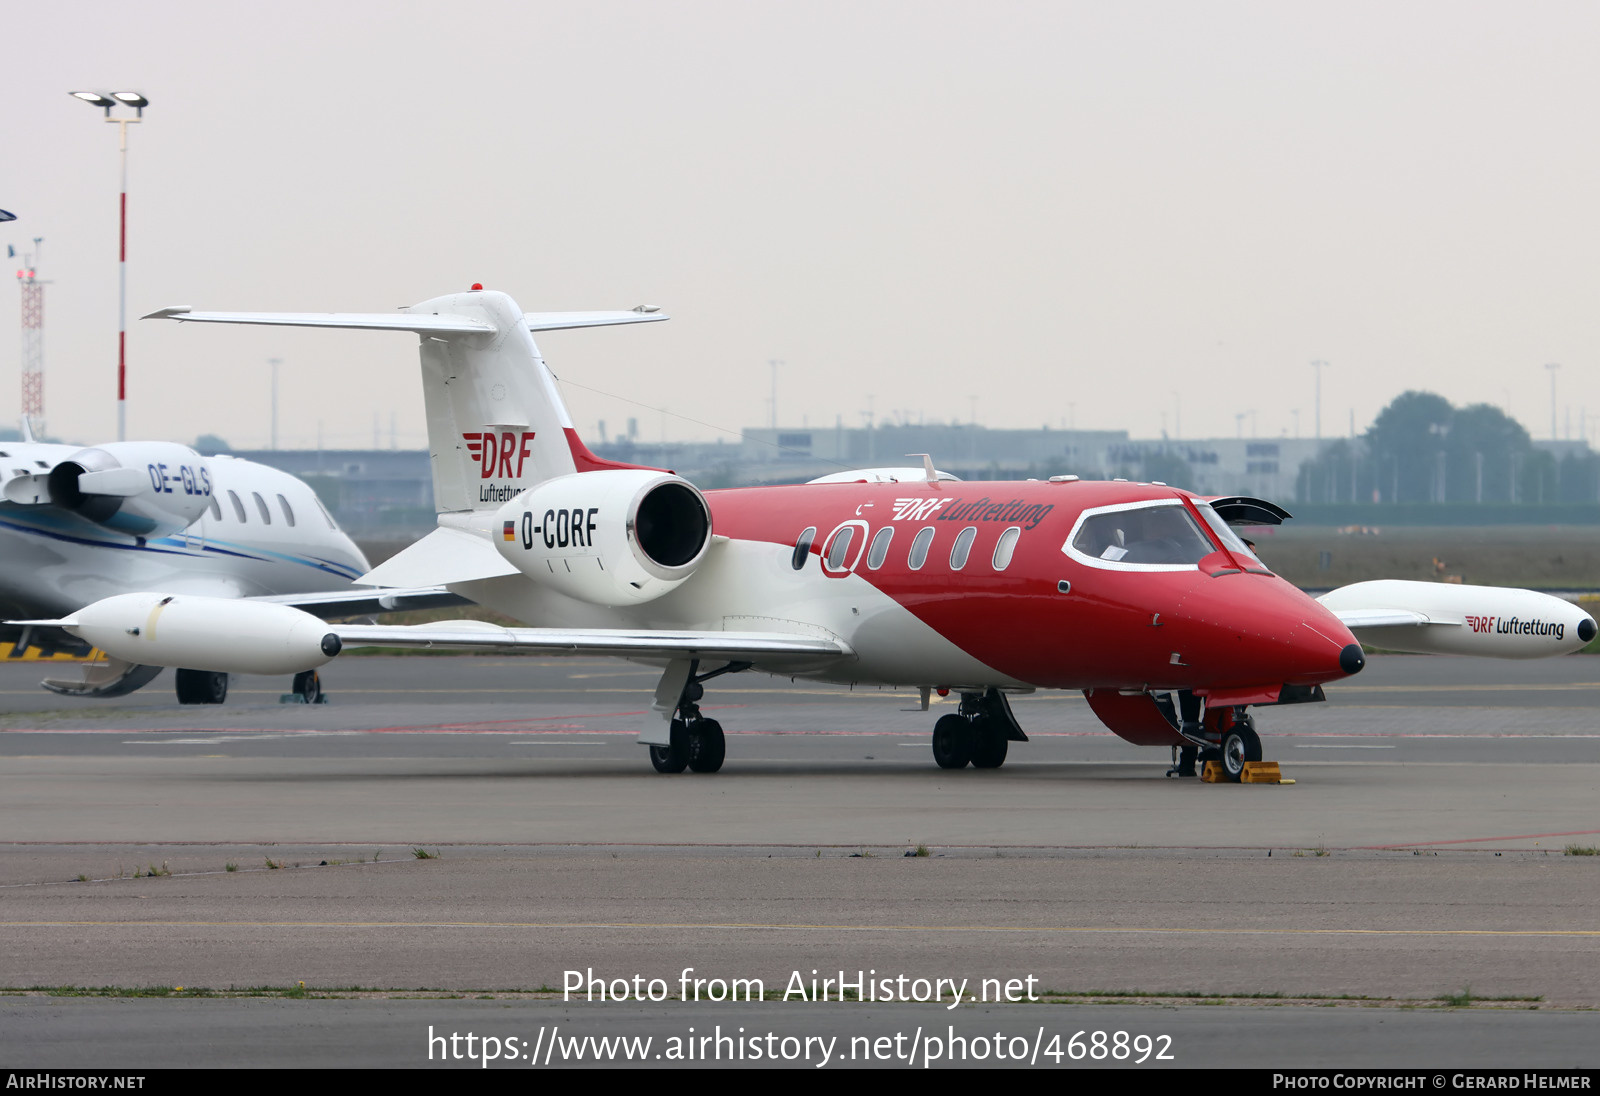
274, 362
32, 338
1552, 367
138, 102
1318, 365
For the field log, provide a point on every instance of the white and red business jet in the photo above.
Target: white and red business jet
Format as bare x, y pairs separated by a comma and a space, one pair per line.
1139, 594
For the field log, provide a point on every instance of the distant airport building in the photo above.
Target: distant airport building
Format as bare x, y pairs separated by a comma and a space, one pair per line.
388, 493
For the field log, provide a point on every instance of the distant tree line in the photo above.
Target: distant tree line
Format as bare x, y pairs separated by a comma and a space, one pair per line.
1422, 449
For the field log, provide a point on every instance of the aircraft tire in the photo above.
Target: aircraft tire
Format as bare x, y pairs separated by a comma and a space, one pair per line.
309, 685
1239, 745
673, 758
707, 746
201, 687
953, 741
991, 746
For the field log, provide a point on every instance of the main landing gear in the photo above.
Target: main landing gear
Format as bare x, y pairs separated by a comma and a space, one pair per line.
201, 687
1229, 738
697, 743
979, 733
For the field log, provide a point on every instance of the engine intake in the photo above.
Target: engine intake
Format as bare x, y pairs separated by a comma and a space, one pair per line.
143, 489
672, 524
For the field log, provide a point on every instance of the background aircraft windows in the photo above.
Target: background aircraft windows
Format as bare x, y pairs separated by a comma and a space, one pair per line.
261, 504
802, 547
216, 509
919, 548
325, 515
880, 548
238, 507
288, 514
963, 545
840, 549
1007, 545
1163, 534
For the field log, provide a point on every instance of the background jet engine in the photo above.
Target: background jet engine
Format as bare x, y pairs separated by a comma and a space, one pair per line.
608, 538
144, 489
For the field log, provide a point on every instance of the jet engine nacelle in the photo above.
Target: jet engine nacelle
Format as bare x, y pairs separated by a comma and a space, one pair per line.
144, 489
205, 633
614, 537
1493, 621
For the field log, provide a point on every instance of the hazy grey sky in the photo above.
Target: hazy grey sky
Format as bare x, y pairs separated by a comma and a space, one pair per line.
1114, 206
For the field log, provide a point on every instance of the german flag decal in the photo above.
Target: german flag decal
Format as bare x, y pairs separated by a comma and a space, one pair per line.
510, 532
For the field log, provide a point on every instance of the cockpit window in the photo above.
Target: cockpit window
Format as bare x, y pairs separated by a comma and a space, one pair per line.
1163, 534
1231, 540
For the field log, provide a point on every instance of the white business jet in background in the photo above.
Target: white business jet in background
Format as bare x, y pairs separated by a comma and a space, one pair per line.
80, 524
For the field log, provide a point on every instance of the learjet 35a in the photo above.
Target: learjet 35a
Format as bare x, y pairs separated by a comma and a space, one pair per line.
1139, 594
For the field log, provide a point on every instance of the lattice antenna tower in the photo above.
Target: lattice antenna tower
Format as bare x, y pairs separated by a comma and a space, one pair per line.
32, 338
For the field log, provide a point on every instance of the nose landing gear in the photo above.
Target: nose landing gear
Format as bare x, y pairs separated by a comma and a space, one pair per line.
1227, 735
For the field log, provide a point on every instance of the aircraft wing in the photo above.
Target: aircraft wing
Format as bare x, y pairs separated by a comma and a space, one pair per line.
1385, 618
763, 647
328, 604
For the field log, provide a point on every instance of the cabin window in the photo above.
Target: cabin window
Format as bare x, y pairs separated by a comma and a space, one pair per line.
216, 509
880, 548
261, 505
802, 548
962, 547
840, 549
1007, 545
238, 507
919, 548
288, 514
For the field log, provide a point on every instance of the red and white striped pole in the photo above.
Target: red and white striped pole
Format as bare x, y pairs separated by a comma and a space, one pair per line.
138, 102
122, 291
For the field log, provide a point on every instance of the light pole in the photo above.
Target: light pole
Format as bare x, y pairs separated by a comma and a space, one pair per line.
1552, 367
138, 102
774, 363
275, 362
1318, 366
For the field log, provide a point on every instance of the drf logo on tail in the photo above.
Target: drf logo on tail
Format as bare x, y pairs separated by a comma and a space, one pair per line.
500, 454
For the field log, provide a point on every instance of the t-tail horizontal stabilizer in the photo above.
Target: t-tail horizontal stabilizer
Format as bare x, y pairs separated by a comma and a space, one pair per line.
496, 422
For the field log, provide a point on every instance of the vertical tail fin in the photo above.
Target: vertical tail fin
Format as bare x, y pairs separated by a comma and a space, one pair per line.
496, 421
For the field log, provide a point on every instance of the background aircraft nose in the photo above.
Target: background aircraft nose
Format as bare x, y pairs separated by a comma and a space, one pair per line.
1351, 659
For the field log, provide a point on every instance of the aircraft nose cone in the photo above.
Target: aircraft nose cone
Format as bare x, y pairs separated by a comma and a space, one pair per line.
1586, 629
1351, 659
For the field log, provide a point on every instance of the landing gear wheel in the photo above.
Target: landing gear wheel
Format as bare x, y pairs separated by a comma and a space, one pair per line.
201, 687
1240, 744
673, 758
991, 745
707, 747
309, 685
953, 741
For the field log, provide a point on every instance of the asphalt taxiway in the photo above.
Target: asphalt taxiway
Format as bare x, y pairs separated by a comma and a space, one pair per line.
1419, 858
